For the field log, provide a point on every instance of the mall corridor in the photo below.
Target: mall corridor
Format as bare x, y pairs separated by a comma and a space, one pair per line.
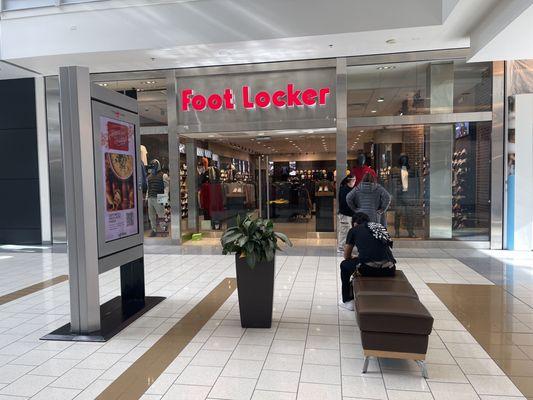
266, 200
481, 346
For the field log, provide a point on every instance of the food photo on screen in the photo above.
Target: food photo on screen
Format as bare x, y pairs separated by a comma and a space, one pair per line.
118, 148
119, 182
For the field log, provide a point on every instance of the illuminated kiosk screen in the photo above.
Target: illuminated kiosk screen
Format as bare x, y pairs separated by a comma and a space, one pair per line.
117, 144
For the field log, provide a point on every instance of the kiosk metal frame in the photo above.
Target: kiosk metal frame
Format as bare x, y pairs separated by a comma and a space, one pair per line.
82, 104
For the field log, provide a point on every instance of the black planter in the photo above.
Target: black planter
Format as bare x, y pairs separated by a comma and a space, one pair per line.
256, 293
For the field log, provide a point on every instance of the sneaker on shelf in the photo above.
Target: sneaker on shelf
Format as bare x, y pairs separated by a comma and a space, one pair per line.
349, 305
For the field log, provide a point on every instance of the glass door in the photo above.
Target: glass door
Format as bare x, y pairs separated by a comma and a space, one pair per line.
301, 184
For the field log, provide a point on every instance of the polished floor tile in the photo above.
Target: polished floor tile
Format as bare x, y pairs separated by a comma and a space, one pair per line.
312, 351
484, 310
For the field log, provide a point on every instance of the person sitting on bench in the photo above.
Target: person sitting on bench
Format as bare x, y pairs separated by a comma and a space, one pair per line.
375, 257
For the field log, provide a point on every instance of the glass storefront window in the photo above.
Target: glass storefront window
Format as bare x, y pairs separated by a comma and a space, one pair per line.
287, 176
402, 158
405, 88
438, 174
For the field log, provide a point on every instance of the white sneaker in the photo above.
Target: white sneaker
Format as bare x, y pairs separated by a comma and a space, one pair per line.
349, 305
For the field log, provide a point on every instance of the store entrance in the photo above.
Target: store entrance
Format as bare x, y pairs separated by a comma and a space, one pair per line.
286, 176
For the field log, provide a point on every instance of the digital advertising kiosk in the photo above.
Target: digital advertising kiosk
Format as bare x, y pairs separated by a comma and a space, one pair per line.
103, 198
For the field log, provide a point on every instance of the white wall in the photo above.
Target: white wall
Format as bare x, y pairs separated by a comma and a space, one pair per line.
42, 155
523, 216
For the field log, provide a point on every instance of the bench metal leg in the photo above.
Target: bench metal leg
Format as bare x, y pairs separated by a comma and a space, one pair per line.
424, 369
365, 365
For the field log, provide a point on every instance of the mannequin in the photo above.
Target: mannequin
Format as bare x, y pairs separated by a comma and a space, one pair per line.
144, 155
405, 194
214, 172
361, 169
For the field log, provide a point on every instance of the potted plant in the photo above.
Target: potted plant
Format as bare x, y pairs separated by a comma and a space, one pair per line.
254, 243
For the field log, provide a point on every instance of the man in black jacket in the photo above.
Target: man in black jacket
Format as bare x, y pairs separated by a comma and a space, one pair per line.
374, 259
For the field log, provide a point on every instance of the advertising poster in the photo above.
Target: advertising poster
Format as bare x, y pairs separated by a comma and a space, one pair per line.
118, 150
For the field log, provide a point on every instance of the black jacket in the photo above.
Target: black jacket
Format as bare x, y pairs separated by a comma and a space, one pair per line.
344, 209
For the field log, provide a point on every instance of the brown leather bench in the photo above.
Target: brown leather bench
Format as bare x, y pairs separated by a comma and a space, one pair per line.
393, 321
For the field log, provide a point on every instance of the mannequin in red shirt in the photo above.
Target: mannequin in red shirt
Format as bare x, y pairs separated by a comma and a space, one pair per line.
361, 169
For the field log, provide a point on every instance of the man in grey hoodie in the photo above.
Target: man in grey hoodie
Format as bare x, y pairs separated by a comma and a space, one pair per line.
369, 198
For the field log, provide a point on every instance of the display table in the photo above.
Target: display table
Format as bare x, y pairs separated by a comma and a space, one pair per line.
234, 207
325, 221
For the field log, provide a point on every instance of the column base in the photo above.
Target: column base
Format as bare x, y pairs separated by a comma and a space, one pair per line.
115, 317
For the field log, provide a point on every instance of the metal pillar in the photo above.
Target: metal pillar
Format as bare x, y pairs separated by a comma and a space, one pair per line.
78, 161
440, 88
173, 158
55, 162
260, 191
497, 165
42, 155
341, 139
267, 181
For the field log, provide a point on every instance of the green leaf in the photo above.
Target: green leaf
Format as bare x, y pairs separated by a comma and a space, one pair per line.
253, 238
251, 260
230, 238
242, 241
283, 238
269, 254
249, 247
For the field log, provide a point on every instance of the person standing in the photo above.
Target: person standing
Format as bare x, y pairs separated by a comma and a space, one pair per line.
344, 216
156, 186
374, 257
370, 198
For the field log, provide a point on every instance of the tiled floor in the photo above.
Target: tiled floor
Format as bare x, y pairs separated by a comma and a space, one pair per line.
311, 352
489, 313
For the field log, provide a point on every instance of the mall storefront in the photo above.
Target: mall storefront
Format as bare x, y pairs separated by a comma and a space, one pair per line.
276, 139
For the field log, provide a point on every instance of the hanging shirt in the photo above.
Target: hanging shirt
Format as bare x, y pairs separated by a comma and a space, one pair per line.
405, 179
144, 155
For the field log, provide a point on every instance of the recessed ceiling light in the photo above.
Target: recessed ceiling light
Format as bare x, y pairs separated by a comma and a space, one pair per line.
211, 136
261, 134
361, 131
373, 111
102, 84
380, 100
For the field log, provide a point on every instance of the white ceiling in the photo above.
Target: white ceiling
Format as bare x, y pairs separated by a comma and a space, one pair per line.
304, 141
172, 34
507, 33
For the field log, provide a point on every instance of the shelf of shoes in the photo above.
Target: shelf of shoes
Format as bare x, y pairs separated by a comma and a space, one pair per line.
459, 171
184, 195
